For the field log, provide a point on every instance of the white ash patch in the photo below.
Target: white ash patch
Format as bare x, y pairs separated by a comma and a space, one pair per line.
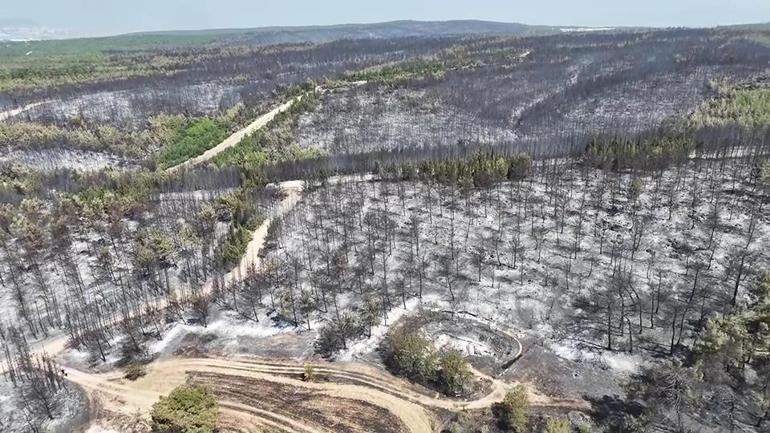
465, 344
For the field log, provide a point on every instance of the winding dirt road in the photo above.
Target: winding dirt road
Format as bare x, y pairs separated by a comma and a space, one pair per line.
346, 381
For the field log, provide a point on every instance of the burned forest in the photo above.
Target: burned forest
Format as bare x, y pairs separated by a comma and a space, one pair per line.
406, 227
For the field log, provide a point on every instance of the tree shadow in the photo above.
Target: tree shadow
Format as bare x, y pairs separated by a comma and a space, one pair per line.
610, 409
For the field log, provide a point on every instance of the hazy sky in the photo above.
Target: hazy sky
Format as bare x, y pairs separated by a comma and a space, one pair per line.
120, 16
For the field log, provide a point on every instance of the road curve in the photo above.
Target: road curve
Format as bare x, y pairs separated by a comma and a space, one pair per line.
351, 381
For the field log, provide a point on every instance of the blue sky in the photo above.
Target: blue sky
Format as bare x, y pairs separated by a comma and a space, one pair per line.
119, 16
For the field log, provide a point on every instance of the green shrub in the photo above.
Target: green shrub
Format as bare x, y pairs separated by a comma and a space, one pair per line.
455, 373
516, 408
193, 139
558, 425
187, 409
412, 355
234, 245
308, 373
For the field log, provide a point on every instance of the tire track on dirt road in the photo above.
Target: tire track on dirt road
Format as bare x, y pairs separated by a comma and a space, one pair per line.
131, 397
366, 384
369, 376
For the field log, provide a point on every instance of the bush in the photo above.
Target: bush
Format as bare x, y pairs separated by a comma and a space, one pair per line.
412, 355
516, 408
308, 373
409, 354
134, 371
234, 246
558, 425
454, 373
334, 336
187, 409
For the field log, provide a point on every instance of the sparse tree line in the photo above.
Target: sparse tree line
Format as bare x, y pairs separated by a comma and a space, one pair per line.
37, 378
480, 171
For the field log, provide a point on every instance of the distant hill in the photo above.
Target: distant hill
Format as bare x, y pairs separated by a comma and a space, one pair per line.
387, 30
750, 27
45, 46
39, 40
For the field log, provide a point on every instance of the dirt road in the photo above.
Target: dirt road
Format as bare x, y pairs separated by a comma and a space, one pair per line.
341, 382
293, 192
131, 397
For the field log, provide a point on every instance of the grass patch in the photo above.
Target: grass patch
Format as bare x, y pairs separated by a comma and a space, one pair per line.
191, 140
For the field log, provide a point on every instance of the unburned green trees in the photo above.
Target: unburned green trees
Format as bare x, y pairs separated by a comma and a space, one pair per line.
557, 425
187, 409
412, 355
455, 373
516, 408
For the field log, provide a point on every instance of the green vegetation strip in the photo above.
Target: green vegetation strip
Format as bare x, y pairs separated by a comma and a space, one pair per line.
190, 139
400, 71
273, 143
748, 107
187, 409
